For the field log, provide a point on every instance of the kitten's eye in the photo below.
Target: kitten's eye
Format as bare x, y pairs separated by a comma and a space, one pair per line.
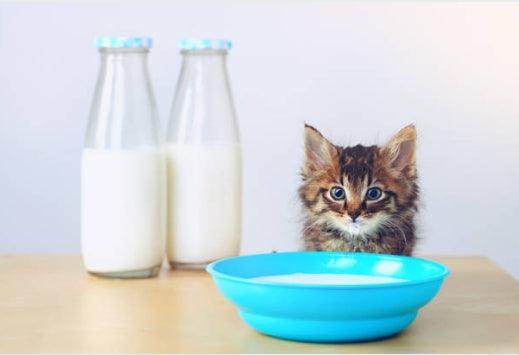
337, 193
373, 193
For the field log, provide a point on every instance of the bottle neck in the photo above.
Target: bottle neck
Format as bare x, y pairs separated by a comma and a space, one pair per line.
203, 109
209, 65
123, 111
128, 64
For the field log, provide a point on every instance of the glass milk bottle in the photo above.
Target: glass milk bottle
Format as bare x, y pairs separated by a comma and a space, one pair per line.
123, 181
203, 160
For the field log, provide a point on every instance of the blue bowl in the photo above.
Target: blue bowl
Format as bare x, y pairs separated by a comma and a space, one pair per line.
328, 312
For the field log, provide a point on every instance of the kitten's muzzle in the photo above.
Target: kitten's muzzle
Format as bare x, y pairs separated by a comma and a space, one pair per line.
354, 214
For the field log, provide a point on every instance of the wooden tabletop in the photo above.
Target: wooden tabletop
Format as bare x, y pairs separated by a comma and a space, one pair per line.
48, 303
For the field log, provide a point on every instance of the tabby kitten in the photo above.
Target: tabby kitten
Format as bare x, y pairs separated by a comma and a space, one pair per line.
360, 198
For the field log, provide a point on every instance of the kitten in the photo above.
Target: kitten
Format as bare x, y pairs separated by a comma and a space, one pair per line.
360, 198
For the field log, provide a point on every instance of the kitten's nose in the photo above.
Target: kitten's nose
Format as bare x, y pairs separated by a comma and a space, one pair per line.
354, 214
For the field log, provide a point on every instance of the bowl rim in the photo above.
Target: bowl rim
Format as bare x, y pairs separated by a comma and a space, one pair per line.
445, 271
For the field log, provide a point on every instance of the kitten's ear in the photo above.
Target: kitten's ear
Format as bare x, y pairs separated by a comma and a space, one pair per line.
320, 154
400, 151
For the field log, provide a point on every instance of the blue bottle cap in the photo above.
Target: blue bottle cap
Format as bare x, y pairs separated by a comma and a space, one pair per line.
204, 43
123, 42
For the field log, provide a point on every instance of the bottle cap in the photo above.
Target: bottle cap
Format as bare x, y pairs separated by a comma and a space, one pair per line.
204, 43
123, 42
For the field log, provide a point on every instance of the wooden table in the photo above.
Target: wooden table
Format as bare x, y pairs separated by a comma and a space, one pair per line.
49, 304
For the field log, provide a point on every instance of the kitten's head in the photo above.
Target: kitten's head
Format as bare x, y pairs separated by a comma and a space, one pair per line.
358, 191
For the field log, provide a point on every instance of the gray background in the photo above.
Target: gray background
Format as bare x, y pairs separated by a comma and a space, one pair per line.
356, 71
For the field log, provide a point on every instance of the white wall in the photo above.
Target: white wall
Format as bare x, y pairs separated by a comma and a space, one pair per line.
356, 71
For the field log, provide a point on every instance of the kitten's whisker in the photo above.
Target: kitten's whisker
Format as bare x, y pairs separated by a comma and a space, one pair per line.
311, 225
